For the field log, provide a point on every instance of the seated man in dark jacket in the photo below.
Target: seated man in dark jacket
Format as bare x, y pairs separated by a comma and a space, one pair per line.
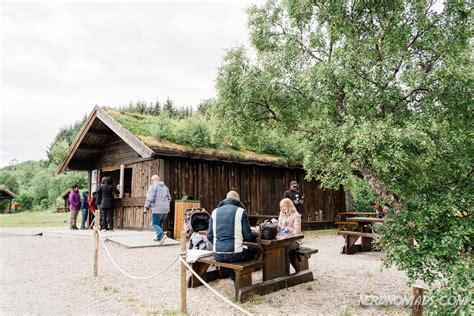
229, 227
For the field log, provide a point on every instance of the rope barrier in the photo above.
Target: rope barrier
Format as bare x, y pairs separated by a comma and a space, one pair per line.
212, 290
129, 275
179, 257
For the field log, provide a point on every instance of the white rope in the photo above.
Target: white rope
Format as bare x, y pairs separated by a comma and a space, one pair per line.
212, 290
129, 275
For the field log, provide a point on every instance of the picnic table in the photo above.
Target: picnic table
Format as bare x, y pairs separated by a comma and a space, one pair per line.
275, 263
364, 230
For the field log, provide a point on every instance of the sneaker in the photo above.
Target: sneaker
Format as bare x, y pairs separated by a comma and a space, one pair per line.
162, 241
156, 239
75, 228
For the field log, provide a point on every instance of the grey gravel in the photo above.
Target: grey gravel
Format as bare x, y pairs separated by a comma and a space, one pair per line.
53, 275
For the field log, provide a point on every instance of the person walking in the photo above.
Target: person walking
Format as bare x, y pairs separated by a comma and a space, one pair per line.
105, 200
74, 206
158, 198
84, 208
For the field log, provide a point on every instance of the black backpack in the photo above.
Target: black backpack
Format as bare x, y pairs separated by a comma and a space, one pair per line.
268, 230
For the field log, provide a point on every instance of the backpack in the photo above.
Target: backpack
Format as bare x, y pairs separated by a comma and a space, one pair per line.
268, 230
197, 220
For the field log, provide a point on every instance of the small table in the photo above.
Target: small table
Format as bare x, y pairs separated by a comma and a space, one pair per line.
276, 263
365, 232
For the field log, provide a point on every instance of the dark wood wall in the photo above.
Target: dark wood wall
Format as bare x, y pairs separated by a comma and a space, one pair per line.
260, 188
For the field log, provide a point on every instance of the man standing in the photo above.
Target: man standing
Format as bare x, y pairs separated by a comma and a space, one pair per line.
158, 199
295, 196
228, 229
74, 206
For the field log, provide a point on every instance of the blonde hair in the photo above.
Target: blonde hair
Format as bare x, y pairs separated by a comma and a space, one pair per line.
289, 206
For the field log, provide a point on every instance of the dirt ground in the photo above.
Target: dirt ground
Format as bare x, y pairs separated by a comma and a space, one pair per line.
53, 275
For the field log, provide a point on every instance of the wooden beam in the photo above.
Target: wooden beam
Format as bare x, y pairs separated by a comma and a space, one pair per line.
77, 141
137, 145
89, 150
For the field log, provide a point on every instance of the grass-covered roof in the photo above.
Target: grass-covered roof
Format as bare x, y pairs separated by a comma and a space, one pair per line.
195, 136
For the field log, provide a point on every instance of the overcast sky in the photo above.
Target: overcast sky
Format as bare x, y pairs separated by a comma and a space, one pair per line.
58, 60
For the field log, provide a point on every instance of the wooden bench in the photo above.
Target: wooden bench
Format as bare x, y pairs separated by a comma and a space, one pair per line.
299, 258
243, 272
350, 239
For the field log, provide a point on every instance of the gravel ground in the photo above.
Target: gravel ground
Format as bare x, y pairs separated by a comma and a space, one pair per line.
53, 275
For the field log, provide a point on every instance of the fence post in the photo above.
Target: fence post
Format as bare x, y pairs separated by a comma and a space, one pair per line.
417, 307
96, 251
183, 274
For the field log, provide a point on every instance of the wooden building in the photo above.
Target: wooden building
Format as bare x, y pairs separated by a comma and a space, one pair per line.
6, 195
104, 147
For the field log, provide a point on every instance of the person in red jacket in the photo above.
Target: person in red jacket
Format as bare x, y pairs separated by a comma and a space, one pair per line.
92, 209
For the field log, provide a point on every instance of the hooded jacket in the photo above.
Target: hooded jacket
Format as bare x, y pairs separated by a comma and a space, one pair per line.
229, 227
105, 194
158, 198
74, 200
84, 202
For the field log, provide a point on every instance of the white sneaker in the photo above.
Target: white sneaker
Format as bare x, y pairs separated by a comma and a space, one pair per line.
162, 241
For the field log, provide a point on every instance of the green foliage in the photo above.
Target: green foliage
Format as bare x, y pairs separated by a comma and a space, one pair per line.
205, 129
380, 91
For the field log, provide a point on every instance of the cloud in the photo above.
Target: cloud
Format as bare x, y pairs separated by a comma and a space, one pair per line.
61, 59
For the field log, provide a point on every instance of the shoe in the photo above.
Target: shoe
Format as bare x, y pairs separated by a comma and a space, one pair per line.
82, 228
156, 239
162, 241
75, 228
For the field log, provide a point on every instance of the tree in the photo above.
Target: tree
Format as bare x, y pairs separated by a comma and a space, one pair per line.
375, 90
168, 108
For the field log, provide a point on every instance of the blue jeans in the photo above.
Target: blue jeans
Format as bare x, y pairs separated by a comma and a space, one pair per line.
84, 217
157, 221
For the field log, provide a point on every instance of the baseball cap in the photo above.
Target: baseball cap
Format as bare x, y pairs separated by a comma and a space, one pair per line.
293, 182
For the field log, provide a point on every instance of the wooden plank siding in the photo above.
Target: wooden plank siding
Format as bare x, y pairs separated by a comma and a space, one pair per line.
260, 188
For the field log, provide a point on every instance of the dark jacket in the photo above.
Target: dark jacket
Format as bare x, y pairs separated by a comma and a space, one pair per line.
84, 201
105, 195
229, 227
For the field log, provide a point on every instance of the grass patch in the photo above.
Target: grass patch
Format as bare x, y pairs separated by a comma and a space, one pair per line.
35, 219
320, 233
253, 300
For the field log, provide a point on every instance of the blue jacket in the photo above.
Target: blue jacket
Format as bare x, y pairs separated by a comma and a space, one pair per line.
229, 227
84, 202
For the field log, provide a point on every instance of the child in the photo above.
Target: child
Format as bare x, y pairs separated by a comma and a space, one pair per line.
92, 209
84, 208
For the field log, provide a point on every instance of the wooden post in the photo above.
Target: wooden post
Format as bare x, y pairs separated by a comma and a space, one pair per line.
122, 175
183, 274
96, 250
417, 307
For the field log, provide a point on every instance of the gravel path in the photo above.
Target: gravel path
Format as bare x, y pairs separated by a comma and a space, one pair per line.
53, 275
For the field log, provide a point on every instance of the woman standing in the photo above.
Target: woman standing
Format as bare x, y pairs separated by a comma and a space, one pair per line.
105, 199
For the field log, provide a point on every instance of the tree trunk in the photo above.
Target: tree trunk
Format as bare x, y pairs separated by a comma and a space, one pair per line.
380, 189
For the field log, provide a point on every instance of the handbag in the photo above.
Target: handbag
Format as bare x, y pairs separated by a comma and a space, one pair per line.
268, 230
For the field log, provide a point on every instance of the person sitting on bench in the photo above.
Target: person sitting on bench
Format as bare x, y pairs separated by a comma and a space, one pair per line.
289, 221
229, 227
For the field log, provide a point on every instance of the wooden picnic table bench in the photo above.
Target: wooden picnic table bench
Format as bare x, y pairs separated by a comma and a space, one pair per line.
275, 264
351, 237
243, 272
